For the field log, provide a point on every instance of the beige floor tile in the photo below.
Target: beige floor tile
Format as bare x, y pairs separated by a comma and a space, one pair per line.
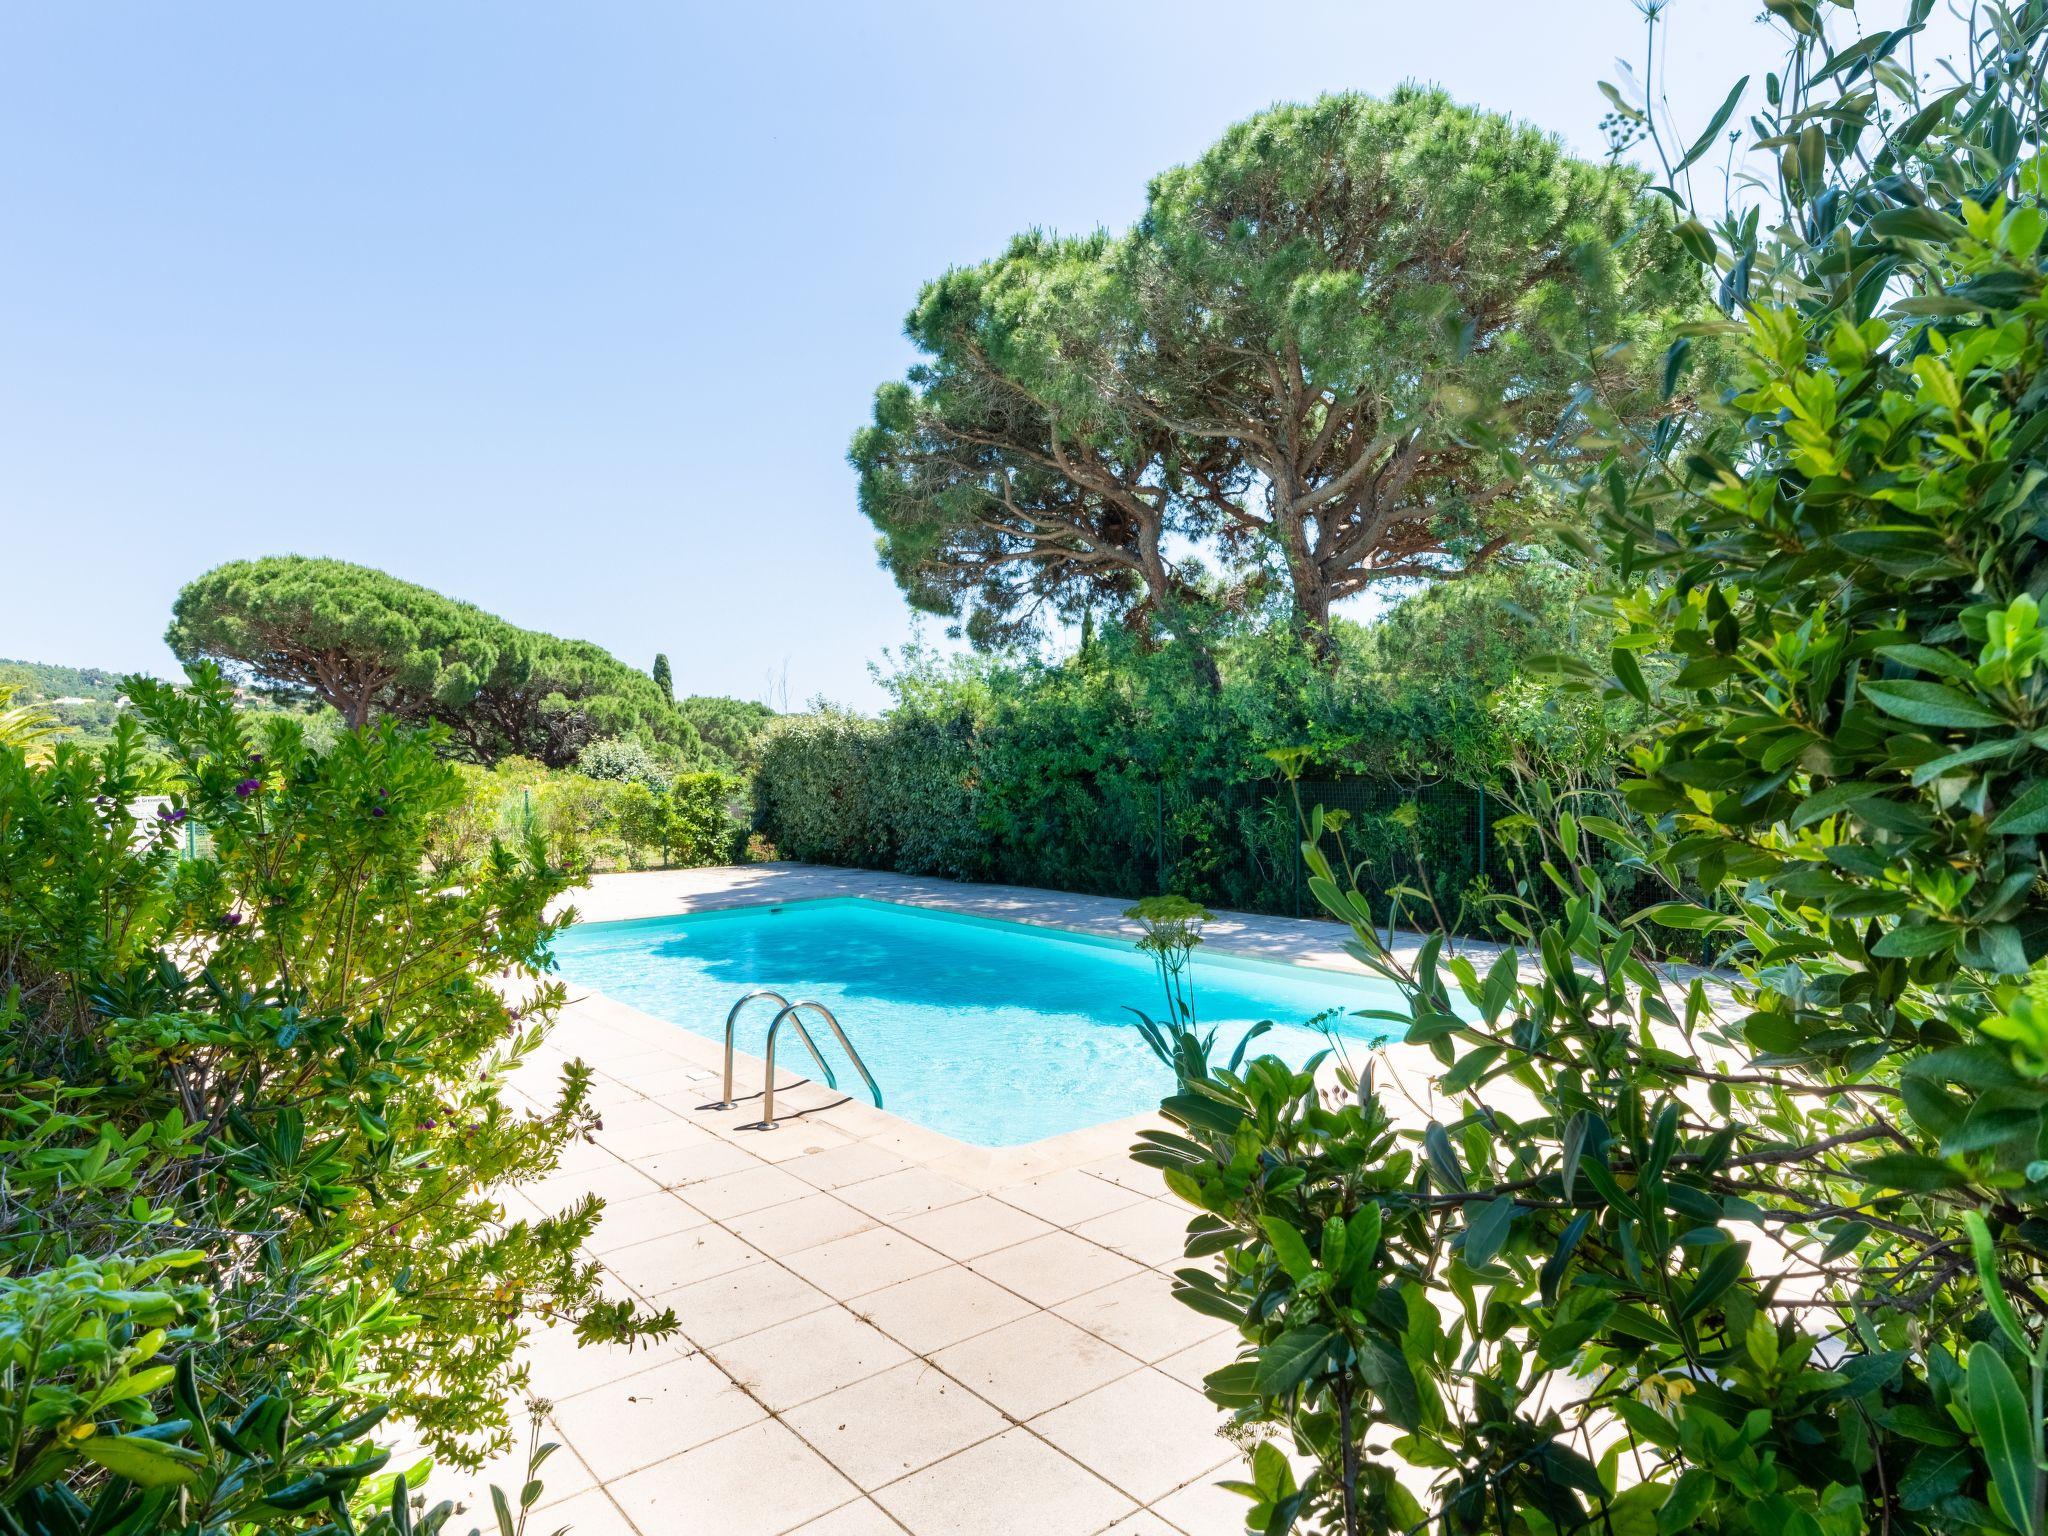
619, 1181
941, 1308
650, 1417
848, 1163
878, 1430
581, 1156
866, 1261
1145, 1523
863, 1517
687, 1166
793, 1137
1150, 1232
633, 1115
626, 1222
743, 1301
973, 1227
1203, 1509
1189, 1366
1132, 1175
894, 1196
605, 1097
635, 1143
750, 1189
809, 1356
1141, 1317
1146, 1434
590, 1513
1051, 1269
678, 1087
1034, 1364
562, 1367
806, 1222
1011, 1484
670, 1263
758, 1481
1067, 1199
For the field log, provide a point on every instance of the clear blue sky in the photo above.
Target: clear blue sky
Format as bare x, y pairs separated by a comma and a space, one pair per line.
569, 309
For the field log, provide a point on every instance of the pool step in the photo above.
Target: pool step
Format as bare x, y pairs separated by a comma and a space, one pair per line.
790, 1012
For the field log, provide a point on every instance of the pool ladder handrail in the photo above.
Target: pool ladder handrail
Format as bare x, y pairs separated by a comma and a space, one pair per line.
725, 1099
789, 1012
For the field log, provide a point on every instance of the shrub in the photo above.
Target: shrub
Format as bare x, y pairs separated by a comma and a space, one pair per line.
623, 760
1124, 771
267, 1083
1775, 1260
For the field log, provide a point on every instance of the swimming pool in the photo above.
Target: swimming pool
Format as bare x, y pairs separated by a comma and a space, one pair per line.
991, 1032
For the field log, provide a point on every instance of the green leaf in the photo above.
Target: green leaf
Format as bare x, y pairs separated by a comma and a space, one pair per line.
1933, 1474
144, 1462
1626, 668
1292, 1358
1722, 1269
1836, 797
1674, 368
1288, 1248
1201, 1112
2027, 815
1706, 140
1686, 915
1572, 1149
2011, 1444
1909, 1171
1910, 941
1361, 1243
1985, 1253
1560, 1259
1387, 1371
1917, 224
1486, 1229
1443, 1157
1935, 704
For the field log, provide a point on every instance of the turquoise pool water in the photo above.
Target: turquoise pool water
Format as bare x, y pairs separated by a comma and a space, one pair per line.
994, 1033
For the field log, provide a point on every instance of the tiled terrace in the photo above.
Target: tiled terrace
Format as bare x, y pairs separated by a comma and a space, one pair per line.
883, 1330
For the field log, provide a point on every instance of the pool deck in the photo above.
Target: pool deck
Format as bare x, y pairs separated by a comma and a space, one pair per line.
883, 1330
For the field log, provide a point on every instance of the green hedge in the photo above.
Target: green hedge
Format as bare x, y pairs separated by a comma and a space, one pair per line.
1123, 772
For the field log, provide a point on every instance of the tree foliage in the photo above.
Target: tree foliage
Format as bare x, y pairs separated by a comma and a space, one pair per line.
1327, 353
253, 1118
372, 646
1771, 1258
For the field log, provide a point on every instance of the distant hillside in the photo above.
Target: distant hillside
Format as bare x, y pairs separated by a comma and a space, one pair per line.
42, 681
87, 700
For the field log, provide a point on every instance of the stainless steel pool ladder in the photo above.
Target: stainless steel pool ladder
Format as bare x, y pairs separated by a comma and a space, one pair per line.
790, 1011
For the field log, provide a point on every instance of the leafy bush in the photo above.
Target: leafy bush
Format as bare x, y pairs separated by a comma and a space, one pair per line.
1774, 1260
693, 817
267, 1083
1124, 771
622, 760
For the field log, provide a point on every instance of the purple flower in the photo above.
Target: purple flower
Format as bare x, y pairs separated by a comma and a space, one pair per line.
429, 1124
376, 810
248, 787
169, 817
231, 920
